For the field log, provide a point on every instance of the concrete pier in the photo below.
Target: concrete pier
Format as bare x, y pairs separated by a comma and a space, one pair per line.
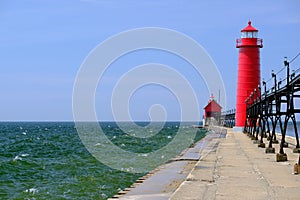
227, 168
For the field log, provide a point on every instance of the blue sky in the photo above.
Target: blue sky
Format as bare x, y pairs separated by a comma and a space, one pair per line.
44, 42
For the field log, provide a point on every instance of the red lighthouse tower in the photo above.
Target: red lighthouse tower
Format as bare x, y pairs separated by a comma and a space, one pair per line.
248, 70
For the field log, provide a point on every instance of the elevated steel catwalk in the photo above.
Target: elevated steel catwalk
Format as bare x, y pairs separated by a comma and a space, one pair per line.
276, 106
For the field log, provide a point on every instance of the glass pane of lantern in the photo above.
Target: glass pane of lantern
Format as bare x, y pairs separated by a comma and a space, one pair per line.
244, 34
249, 34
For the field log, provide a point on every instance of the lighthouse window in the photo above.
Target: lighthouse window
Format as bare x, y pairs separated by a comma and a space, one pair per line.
249, 35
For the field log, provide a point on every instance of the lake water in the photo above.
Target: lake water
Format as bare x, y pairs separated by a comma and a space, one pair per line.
47, 160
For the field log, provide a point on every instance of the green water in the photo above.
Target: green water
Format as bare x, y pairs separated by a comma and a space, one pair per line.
46, 160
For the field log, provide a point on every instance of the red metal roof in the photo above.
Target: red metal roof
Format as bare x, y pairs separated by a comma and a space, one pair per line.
213, 106
249, 28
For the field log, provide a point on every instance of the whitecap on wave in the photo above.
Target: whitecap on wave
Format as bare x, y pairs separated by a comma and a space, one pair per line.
129, 169
143, 154
17, 158
32, 190
98, 144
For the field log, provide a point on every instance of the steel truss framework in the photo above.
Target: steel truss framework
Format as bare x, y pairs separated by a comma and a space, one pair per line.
275, 107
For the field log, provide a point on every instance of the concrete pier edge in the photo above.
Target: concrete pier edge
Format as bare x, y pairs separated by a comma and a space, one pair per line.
228, 168
161, 182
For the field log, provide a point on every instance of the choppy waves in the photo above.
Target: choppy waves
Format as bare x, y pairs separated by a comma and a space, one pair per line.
46, 160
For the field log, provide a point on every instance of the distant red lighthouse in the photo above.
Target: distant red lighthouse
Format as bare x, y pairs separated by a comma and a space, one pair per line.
212, 112
248, 70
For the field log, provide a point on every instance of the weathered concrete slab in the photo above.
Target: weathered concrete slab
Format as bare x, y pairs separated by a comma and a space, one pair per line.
167, 178
241, 170
163, 183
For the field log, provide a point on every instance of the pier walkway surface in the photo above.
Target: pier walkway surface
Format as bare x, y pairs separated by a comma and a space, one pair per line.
230, 167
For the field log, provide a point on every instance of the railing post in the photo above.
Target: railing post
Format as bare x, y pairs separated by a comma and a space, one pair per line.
281, 156
261, 120
287, 64
270, 148
277, 109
